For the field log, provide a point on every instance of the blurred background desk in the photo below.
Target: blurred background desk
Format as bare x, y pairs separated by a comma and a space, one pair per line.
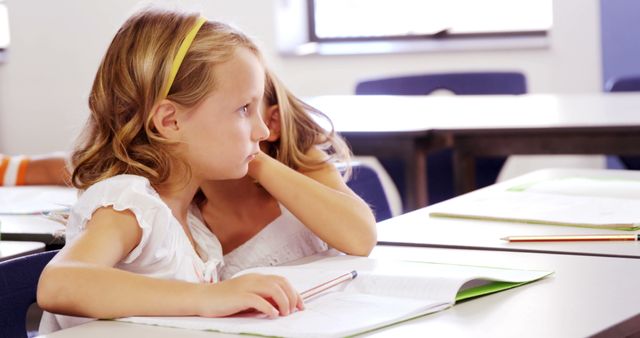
13, 249
409, 127
418, 228
32, 228
23, 210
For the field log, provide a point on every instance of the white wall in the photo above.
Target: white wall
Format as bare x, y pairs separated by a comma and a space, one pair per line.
57, 45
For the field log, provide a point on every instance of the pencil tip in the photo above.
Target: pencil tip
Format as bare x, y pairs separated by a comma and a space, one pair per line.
354, 274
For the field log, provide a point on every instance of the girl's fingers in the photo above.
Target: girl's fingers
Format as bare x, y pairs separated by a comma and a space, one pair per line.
262, 305
299, 302
277, 293
295, 300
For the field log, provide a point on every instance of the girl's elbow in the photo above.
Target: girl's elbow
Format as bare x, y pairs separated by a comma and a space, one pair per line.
359, 250
363, 244
50, 291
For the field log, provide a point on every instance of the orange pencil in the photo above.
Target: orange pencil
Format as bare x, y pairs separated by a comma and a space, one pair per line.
573, 238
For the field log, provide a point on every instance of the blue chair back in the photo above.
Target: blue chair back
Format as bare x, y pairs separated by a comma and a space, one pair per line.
440, 166
473, 83
623, 84
366, 183
18, 285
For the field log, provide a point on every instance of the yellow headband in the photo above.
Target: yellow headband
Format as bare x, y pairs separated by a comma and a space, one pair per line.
182, 51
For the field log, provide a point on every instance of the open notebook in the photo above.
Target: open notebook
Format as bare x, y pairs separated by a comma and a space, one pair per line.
606, 203
385, 292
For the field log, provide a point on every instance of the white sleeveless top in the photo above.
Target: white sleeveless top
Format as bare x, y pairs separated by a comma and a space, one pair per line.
164, 250
283, 240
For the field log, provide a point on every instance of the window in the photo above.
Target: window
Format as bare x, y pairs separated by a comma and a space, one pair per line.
396, 26
344, 20
4, 26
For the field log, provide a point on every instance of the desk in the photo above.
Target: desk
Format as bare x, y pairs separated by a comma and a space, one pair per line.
11, 249
32, 228
417, 228
585, 296
20, 206
488, 125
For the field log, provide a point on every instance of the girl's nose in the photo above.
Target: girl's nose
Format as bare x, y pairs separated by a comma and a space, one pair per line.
260, 129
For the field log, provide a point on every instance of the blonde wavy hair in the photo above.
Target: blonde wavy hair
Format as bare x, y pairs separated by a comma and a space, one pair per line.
119, 136
300, 131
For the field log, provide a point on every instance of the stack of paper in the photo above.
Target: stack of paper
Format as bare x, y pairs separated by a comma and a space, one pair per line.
572, 201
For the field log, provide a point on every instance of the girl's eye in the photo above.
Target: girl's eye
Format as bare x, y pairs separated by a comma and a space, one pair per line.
244, 110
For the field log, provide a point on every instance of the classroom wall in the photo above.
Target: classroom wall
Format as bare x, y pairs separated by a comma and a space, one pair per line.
57, 45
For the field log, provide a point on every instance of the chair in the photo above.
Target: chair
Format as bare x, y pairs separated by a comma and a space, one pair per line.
18, 284
368, 182
623, 84
474, 83
440, 170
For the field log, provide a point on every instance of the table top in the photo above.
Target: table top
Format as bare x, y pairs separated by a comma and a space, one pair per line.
584, 296
22, 217
13, 249
418, 228
32, 228
419, 114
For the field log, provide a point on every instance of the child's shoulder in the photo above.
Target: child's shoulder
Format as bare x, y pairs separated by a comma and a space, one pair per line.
121, 192
123, 183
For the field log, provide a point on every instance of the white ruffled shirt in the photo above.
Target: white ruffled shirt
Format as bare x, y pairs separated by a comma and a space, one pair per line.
283, 240
164, 250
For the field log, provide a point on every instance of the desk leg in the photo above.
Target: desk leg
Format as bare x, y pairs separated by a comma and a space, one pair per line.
421, 185
415, 164
464, 172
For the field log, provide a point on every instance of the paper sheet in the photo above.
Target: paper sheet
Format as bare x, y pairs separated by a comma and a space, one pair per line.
28, 200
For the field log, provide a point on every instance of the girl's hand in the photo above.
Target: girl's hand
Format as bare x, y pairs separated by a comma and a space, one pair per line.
269, 294
256, 165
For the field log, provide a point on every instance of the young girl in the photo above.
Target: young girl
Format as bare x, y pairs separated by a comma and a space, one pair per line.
172, 90
272, 222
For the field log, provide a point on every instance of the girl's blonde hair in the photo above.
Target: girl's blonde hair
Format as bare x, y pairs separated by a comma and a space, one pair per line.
300, 131
119, 137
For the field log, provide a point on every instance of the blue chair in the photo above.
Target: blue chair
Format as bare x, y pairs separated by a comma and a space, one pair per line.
473, 83
18, 285
366, 182
440, 170
623, 84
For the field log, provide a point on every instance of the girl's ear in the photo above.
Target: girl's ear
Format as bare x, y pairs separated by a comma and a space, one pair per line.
272, 120
165, 119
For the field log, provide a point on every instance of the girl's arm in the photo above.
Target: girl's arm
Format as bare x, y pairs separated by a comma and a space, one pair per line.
322, 201
50, 169
81, 280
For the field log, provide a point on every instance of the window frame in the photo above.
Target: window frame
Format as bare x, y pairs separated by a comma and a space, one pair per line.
442, 35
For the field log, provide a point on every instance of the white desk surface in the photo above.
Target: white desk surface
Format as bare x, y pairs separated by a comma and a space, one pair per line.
417, 228
380, 113
13, 249
30, 199
584, 296
32, 228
